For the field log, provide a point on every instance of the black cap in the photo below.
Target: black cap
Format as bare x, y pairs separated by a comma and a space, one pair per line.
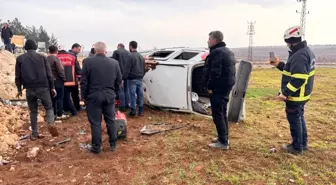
30, 45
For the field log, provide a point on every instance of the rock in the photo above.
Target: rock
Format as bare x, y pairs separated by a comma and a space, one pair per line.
48, 150
1, 181
73, 180
33, 152
87, 176
12, 168
280, 135
291, 180
272, 150
179, 120
40, 119
198, 168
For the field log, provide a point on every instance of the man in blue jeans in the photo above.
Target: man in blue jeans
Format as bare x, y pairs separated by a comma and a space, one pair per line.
6, 36
296, 86
135, 71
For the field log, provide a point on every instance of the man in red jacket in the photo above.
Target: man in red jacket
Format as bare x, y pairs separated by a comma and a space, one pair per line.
69, 64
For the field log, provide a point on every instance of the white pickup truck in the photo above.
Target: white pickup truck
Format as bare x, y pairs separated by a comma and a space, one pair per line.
176, 83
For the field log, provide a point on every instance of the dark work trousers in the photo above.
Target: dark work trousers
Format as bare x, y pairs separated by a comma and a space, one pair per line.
95, 108
58, 100
219, 108
42, 94
75, 97
124, 95
297, 124
67, 101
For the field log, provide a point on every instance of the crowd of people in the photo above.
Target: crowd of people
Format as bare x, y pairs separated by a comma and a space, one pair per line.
100, 80
56, 81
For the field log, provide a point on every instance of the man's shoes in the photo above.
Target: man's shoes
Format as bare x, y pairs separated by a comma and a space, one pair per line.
90, 149
131, 114
219, 145
63, 117
215, 140
305, 148
52, 130
34, 138
290, 149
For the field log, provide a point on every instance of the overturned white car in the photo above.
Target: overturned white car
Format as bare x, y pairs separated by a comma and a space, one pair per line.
176, 83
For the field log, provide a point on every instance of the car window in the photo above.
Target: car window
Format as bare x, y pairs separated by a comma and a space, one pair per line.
186, 55
161, 54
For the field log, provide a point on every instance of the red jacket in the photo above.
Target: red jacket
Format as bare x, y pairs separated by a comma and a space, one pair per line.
69, 63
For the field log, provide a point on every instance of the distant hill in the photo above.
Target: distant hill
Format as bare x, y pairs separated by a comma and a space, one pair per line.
325, 54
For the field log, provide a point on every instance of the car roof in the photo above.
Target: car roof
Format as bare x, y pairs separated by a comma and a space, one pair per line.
169, 54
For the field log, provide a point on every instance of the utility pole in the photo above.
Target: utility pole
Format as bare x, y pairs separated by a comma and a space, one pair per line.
303, 13
250, 33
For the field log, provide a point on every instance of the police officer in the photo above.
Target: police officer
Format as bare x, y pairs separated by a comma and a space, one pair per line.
100, 81
296, 86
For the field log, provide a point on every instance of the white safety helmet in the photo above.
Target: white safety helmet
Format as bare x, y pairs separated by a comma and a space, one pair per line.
293, 34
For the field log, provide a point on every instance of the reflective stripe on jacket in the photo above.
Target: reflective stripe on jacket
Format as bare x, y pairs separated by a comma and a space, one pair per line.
298, 74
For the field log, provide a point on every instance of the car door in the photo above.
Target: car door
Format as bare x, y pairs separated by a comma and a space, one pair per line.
166, 86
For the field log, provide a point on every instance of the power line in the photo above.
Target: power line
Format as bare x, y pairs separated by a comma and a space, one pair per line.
303, 13
250, 33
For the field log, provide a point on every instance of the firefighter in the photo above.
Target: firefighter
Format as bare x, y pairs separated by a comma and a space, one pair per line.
69, 64
296, 86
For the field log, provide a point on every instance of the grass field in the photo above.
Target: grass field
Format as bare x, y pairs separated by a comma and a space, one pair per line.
182, 156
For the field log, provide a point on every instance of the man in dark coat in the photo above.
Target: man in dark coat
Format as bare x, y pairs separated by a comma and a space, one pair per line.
75, 50
100, 82
220, 77
33, 72
6, 37
124, 58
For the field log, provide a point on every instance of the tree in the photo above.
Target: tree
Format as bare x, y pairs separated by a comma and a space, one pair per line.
32, 33
53, 40
43, 36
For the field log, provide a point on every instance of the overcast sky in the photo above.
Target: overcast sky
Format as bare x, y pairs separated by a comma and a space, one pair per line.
166, 23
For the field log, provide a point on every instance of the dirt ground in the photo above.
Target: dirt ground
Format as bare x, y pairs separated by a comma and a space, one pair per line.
182, 156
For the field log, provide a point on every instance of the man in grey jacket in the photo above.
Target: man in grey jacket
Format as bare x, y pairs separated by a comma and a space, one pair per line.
135, 73
100, 83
